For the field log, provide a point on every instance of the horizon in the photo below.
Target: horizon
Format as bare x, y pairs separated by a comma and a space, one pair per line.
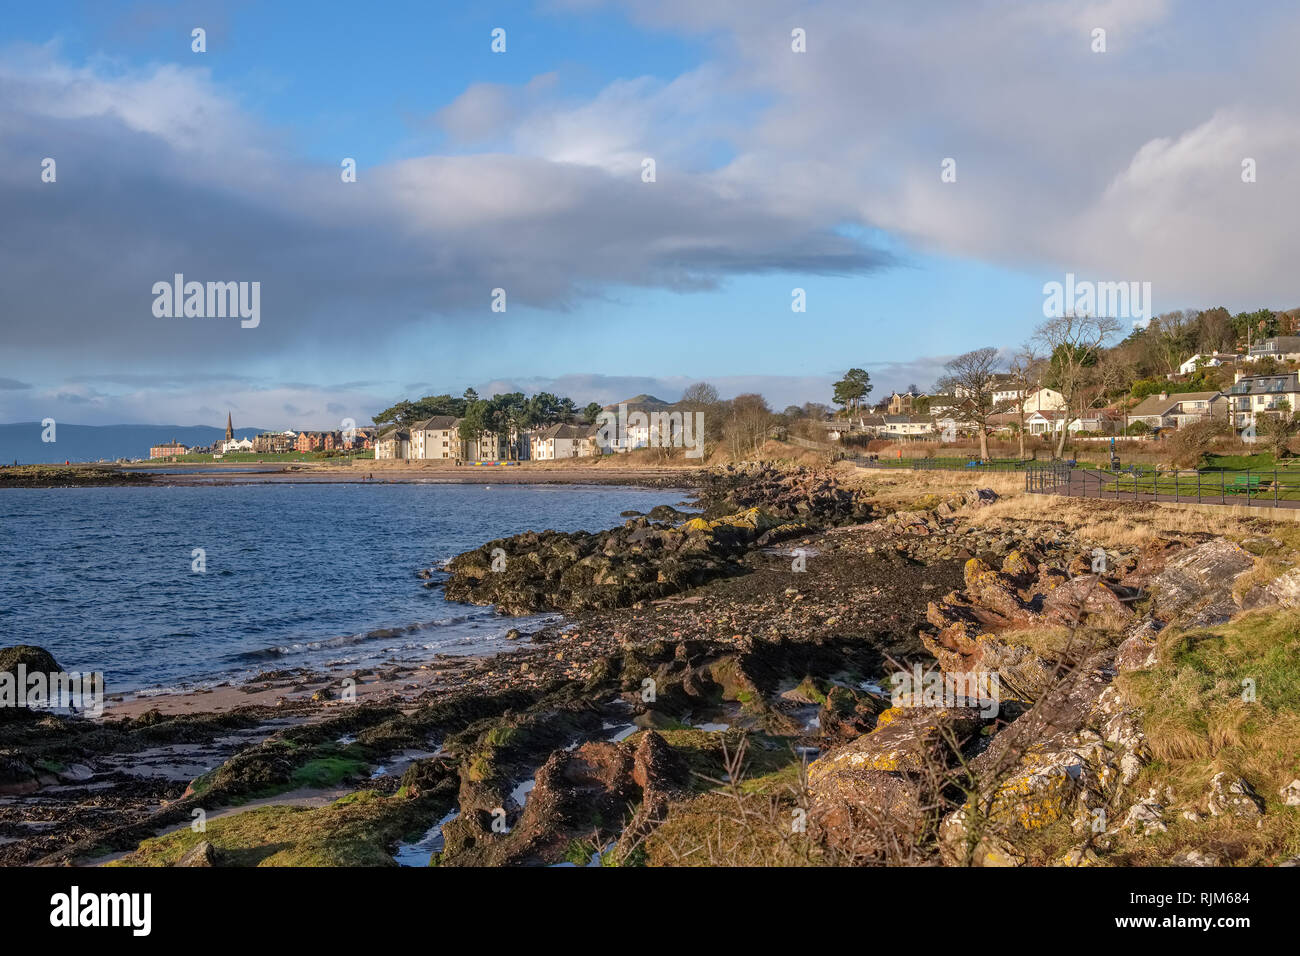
524, 171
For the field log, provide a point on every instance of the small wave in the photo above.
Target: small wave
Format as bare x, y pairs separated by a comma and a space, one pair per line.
345, 640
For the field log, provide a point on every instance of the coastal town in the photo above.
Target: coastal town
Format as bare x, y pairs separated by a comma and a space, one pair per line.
1240, 390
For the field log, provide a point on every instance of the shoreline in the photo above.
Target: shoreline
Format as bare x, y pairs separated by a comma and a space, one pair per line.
612, 735
145, 475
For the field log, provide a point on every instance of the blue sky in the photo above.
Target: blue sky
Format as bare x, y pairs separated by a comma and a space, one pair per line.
522, 170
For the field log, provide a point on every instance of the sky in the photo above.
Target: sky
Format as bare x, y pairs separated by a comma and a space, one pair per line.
776, 169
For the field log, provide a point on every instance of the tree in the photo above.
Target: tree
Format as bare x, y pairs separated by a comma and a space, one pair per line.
971, 375
1025, 369
1073, 344
1276, 432
1191, 442
701, 393
746, 426
590, 412
703, 398
852, 389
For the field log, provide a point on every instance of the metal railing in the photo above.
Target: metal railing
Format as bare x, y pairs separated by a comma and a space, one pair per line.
939, 464
1253, 487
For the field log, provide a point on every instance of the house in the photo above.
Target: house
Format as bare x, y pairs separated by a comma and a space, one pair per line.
942, 404
1044, 400
1210, 359
906, 426
1002, 390
168, 450
394, 443
488, 446
435, 438
561, 441
1284, 348
1052, 420
1174, 411
901, 403
1251, 395
236, 444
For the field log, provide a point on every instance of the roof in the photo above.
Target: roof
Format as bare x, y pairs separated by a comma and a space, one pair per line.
645, 401
1279, 343
438, 423
1155, 405
562, 430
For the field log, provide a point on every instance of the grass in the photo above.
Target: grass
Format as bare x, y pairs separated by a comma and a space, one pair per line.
249, 457
327, 772
1199, 721
353, 831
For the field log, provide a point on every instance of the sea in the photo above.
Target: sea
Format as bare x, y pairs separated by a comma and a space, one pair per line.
170, 587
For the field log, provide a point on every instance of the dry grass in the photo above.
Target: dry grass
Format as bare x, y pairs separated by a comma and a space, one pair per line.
904, 488
1122, 524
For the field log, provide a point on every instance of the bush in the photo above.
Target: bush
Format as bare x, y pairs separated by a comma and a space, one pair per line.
1191, 442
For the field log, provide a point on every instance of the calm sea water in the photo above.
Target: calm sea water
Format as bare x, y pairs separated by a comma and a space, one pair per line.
295, 574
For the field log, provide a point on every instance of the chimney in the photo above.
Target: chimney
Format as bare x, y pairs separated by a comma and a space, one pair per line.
1164, 396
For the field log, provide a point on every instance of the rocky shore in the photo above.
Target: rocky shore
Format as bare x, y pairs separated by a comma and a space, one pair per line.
720, 693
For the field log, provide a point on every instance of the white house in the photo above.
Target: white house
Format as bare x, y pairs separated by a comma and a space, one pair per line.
1044, 400
236, 444
435, 438
1252, 395
1284, 348
1175, 411
1211, 359
906, 426
561, 441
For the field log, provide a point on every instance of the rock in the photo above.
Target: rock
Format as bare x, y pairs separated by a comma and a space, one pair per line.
1138, 651
1196, 858
32, 660
1233, 796
904, 739
204, 854
1290, 794
1079, 856
1197, 585
1087, 600
857, 810
1146, 817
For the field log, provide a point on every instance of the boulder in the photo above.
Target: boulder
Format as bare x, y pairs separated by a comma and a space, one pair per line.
1196, 586
204, 854
1233, 796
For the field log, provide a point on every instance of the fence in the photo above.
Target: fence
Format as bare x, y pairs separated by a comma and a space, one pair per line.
1259, 488
939, 464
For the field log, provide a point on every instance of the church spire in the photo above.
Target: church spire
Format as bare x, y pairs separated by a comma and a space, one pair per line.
230, 431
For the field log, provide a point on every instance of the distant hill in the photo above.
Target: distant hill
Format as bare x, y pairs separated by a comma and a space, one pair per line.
637, 401
21, 441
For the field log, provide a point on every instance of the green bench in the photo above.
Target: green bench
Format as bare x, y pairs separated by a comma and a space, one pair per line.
1242, 482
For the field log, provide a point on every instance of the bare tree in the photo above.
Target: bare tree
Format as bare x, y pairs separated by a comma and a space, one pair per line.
970, 378
746, 425
1073, 344
1025, 369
